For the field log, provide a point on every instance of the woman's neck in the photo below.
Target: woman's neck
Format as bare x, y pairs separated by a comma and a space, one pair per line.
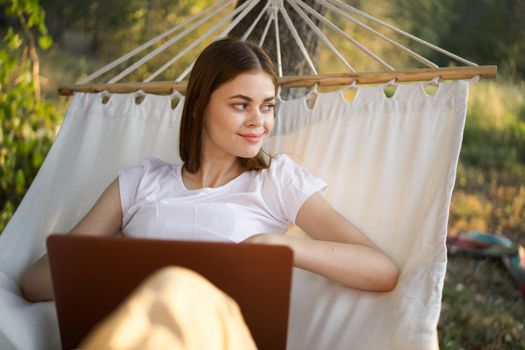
213, 172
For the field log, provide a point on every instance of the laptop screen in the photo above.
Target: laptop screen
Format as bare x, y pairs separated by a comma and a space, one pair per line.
93, 275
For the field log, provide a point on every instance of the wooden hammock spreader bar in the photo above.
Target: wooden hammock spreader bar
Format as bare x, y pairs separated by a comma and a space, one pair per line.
339, 79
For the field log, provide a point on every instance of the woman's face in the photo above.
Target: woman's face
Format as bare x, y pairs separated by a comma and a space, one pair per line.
239, 116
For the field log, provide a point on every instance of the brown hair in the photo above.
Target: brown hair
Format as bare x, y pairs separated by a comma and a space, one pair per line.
219, 63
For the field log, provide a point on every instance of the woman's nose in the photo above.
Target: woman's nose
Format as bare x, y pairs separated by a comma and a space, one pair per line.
256, 118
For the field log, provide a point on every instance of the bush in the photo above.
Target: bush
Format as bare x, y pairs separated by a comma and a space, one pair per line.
494, 134
29, 125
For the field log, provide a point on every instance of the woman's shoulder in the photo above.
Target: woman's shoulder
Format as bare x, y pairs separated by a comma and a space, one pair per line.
151, 167
281, 169
282, 161
153, 163
146, 179
285, 170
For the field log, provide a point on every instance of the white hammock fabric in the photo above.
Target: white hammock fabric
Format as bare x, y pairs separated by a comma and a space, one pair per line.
390, 164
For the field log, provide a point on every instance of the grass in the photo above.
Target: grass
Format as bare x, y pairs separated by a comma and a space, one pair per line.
482, 307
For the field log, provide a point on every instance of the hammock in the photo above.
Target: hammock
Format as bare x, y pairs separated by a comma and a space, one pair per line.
390, 163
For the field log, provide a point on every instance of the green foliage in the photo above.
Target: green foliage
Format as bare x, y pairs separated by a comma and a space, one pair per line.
484, 31
28, 124
32, 14
109, 29
494, 134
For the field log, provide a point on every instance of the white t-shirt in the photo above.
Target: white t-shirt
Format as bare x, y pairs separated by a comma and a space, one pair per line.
156, 204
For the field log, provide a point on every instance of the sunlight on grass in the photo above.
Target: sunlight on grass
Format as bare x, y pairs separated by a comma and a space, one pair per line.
496, 105
482, 307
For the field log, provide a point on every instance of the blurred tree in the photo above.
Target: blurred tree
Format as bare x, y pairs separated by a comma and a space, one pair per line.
28, 123
490, 31
484, 31
109, 29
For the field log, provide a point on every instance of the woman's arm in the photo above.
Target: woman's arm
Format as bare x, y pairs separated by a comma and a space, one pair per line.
104, 219
338, 250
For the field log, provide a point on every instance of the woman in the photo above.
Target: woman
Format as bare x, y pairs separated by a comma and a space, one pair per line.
226, 189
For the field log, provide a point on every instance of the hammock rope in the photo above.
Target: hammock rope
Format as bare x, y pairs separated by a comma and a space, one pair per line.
266, 28
402, 32
297, 38
382, 36
345, 35
245, 10
174, 40
320, 34
244, 37
273, 8
148, 44
277, 41
249, 31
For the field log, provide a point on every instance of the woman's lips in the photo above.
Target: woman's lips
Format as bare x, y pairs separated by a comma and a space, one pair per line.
252, 138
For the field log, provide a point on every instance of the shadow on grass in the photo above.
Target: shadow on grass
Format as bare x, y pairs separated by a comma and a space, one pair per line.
482, 307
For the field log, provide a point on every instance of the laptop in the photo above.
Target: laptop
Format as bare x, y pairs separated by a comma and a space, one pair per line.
93, 275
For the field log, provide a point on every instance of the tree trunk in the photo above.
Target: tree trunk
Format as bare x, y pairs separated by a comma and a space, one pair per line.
35, 62
293, 61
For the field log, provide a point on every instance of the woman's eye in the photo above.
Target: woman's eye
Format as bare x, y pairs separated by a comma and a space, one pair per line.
240, 106
268, 108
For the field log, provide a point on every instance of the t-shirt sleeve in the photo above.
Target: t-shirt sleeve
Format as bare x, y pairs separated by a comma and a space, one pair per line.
129, 179
136, 182
294, 185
